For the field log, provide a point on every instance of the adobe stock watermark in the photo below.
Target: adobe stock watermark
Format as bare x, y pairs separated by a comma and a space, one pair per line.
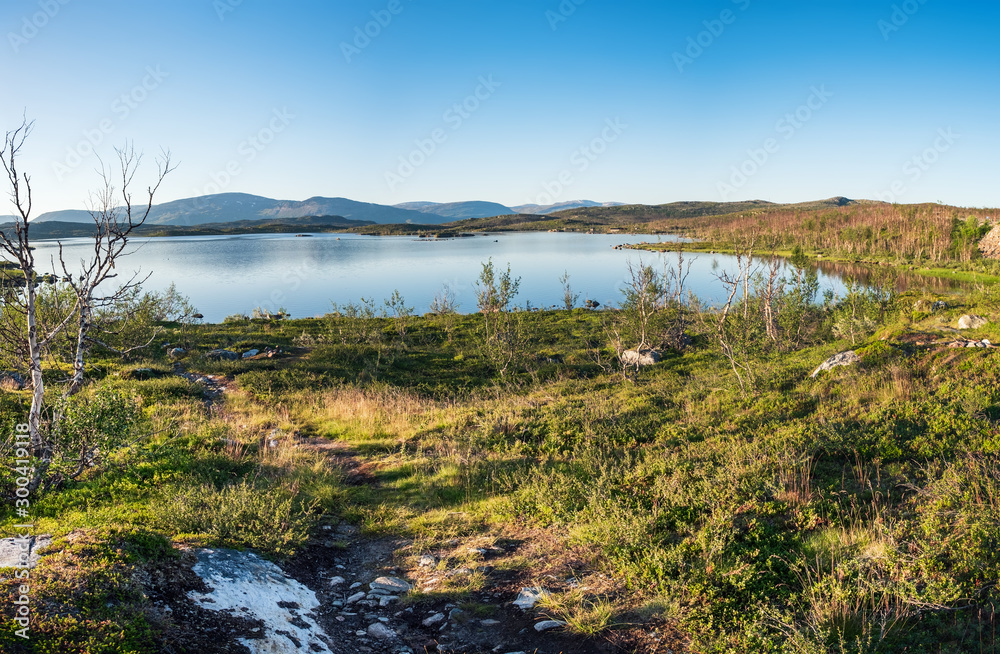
365, 34
454, 117
223, 7
714, 28
248, 150
918, 165
121, 108
23, 472
33, 24
580, 161
787, 127
562, 13
901, 14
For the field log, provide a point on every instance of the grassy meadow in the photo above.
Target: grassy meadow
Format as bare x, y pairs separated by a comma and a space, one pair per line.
722, 491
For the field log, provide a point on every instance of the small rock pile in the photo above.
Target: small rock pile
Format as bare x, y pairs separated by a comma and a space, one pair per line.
985, 343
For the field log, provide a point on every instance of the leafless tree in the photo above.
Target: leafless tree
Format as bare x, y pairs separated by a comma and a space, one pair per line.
114, 225
17, 246
733, 345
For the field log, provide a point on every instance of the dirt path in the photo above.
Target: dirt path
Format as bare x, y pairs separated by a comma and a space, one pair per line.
381, 594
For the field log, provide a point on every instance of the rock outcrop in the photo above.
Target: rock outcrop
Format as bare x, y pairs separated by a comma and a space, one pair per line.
842, 359
990, 245
972, 322
222, 355
640, 357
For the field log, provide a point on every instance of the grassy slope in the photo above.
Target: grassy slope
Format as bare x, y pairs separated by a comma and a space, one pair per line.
814, 505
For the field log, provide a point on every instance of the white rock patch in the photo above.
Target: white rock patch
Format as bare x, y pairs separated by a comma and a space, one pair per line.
248, 586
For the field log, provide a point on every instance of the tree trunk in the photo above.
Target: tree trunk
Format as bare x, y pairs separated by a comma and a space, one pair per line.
76, 383
39, 445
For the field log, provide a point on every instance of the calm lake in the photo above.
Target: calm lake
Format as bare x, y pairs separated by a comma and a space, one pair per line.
224, 275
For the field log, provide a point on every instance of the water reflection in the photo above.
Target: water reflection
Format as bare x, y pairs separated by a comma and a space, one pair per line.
904, 279
224, 275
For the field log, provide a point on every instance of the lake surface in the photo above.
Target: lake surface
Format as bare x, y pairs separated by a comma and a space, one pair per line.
224, 275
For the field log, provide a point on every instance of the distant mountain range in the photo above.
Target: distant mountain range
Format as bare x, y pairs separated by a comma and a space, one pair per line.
545, 209
459, 210
228, 207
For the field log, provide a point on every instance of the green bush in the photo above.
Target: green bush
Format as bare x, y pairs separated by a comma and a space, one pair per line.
270, 519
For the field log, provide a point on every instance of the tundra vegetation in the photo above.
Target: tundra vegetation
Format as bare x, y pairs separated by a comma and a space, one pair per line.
728, 495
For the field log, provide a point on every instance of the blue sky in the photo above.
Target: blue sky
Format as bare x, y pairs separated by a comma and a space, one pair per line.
515, 102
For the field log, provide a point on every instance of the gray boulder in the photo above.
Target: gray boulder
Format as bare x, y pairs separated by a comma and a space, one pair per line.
842, 359
250, 353
390, 585
222, 355
381, 632
640, 357
176, 353
972, 322
528, 597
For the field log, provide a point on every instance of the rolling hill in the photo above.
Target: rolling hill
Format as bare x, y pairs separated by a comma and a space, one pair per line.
543, 209
228, 207
459, 210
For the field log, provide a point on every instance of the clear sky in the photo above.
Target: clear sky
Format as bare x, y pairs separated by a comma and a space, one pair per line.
513, 101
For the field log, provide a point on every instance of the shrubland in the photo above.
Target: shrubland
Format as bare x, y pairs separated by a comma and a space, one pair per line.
725, 490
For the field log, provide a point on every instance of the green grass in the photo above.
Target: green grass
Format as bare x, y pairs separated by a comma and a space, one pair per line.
853, 512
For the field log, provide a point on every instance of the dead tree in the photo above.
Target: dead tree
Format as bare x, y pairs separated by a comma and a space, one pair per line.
17, 248
114, 225
24, 330
734, 345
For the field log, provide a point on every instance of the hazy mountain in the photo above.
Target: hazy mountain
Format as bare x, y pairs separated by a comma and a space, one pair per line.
56, 229
228, 207
459, 210
542, 209
64, 216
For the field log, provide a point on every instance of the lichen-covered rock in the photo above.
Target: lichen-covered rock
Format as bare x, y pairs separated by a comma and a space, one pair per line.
972, 322
842, 359
640, 357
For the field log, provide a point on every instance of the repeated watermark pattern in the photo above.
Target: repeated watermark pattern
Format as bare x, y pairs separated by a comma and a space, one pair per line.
365, 34
714, 28
248, 150
121, 108
223, 7
562, 13
919, 164
580, 161
787, 127
900, 16
453, 118
35, 23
